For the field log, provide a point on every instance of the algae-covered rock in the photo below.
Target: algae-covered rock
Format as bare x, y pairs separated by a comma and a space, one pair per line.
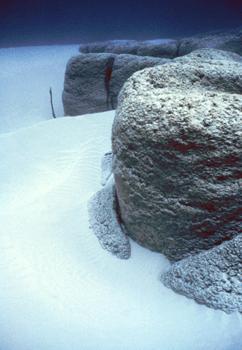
177, 155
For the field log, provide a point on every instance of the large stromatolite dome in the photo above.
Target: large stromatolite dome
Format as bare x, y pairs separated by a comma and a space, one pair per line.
177, 144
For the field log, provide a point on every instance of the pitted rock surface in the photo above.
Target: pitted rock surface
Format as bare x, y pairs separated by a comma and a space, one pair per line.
177, 143
124, 66
210, 54
89, 87
105, 223
213, 278
84, 88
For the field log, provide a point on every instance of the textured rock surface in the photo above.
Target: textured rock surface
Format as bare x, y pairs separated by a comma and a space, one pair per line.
177, 144
111, 46
89, 86
228, 41
84, 87
105, 222
124, 66
170, 48
209, 54
166, 48
213, 278
103, 214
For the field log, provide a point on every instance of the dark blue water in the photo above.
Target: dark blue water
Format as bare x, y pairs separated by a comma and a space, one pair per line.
33, 22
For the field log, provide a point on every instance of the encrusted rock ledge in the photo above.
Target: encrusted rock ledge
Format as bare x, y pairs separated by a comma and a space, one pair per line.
213, 278
103, 215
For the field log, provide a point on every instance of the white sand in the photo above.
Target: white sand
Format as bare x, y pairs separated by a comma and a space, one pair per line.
26, 74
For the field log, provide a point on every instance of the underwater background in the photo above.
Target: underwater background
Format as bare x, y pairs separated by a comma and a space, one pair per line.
120, 229
38, 22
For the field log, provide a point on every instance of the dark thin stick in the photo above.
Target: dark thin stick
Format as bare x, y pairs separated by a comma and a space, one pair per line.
52, 106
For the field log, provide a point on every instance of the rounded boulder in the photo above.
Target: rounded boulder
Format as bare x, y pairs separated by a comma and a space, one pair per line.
177, 155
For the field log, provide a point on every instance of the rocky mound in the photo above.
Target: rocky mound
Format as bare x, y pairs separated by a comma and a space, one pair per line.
103, 214
165, 48
210, 54
213, 278
93, 81
228, 41
170, 48
177, 145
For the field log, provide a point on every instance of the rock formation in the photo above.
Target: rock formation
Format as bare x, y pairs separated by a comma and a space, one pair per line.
84, 87
209, 54
111, 46
177, 163
165, 48
170, 48
177, 145
213, 278
92, 83
103, 215
94, 78
228, 41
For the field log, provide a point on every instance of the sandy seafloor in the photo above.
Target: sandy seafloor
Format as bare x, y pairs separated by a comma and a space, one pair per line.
59, 290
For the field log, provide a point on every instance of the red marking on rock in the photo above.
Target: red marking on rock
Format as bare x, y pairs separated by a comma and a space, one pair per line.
207, 233
238, 175
107, 79
108, 74
224, 239
234, 216
218, 162
204, 231
209, 206
235, 176
183, 147
231, 160
223, 177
